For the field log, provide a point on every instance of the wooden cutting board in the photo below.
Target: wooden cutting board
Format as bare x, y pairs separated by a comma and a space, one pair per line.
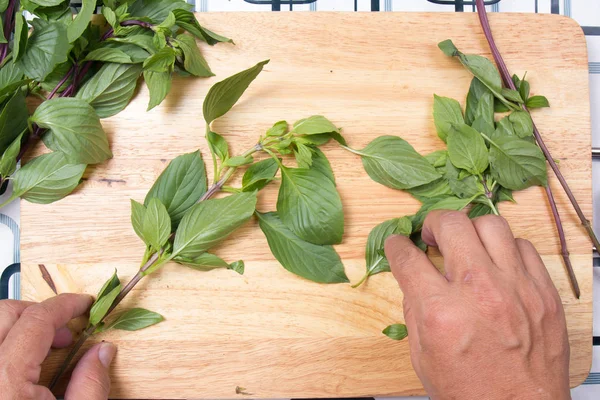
270, 332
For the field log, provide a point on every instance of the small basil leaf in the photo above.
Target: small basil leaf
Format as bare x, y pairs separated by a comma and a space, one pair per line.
446, 112
524, 89
202, 262
13, 119
238, 161
480, 102
512, 95
303, 155
437, 188
465, 187
314, 262
504, 194
159, 84
321, 163
444, 203
537, 102
218, 145
314, 125
479, 210
103, 303
258, 175
157, 10
278, 129
437, 158
138, 211
193, 61
157, 224
187, 20
396, 331
20, 38
8, 161
522, 123
81, 21
467, 149
134, 319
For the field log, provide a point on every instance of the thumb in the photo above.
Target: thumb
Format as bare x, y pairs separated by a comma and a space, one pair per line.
90, 378
411, 267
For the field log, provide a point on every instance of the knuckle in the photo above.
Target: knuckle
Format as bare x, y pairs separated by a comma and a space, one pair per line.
38, 314
437, 319
407, 255
8, 310
524, 244
453, 218
492, 222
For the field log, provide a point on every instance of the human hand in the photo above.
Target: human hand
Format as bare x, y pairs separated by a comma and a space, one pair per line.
493, 327
28, 330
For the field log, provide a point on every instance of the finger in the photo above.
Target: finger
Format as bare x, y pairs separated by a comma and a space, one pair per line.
90, 379
37, 392
455, 236
533, 262
10, 311
31, 337
415, 274
62, 338
499, 242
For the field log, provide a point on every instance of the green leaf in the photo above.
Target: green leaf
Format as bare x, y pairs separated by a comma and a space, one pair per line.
310, 206
500, 107
479, 210
238, 161
187, 20
46, 178
157, 224
522, 123
180, 185
81, 21
504, 128
156, 10
258, 175
47, 3
13, 119
467, 150
466, 187
223, 95
303, 155
110, 89
138, 212
161, 61
446, 112
74, 128
396, 331
516, 163
209, 222
314, 262
437, 188
57, 75
321, 163
144, 41
524, 89
480, 102
481, 125
110, 16
444, 203
314, 125
168, 22
504, 194
278, 129
134, 319
537, 102
159, 84
8, 161
106, 296
437, 158
218, 145
46, 47
207, 262
448, 48
109, 54
512, 95
393, 162
3, 5
21, 35
193, 61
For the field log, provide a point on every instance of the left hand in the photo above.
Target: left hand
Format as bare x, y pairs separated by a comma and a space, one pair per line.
28, 331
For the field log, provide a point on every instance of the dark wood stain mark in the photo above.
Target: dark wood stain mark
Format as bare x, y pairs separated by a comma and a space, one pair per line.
47, 277
111, 181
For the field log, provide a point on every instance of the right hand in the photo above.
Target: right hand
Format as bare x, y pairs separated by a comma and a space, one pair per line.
28, 330
493, 327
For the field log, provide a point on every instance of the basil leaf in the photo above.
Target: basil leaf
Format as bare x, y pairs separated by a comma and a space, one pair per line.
321, 163
516, 163
13, 119
303, 155
479, 210
138, 213
46, 47
10, 80
106, 297
110, 89
396, 331
480, 102
446, 112
110, 16
537, 102
437, 188
393, 162
437, 158
218, 145
314, 262
444, 203
46, 178
3, 5
57, 75
238, 161
512, 95
480, 67
74, 128
467, 149
522, 123
504, 194
157, 224
159, 84
223, 95
75, 29
209, 222
500, 107
310, 206
180, 185
47, 3
134, 319
20, 39
157, 10
207, 262
143, 40
187, 20
314, 125
8, 161
278, 129
109, 54
258, 175
463, 188
193, 61
524, 90
483, 126
503, 128
162, 61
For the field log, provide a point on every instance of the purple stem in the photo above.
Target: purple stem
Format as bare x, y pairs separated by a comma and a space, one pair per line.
8, 27
62, 81
508, 82
132, 22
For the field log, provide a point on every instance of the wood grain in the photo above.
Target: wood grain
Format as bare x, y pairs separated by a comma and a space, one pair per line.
268, 331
